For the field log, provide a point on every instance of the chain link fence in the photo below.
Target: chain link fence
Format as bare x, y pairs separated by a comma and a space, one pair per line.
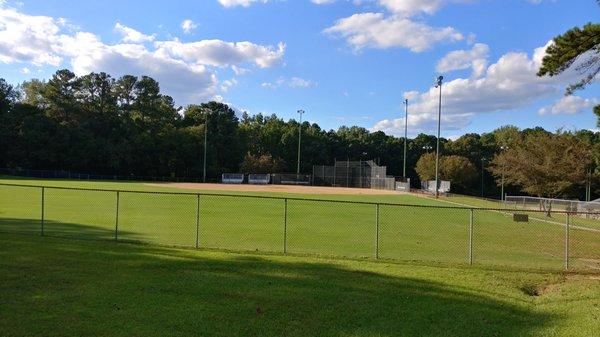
461, 235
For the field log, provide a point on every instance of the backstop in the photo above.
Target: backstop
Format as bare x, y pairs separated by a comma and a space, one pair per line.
357, 174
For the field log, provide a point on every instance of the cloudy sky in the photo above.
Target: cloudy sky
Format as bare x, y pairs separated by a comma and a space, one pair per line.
346, 62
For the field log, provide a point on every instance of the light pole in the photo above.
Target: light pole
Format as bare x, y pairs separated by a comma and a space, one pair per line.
437, 152
205, 142
588, 187
482, 162
503, 148
405, 135
299, 140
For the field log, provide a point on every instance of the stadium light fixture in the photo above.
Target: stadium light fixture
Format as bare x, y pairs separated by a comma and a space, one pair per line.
301, 112
427, 148
405, 135
437, 152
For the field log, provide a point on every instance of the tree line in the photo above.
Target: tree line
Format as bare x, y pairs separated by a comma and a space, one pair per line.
125, 126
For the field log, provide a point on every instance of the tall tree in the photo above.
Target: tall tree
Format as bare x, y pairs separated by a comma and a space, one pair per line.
577, 48
544, 164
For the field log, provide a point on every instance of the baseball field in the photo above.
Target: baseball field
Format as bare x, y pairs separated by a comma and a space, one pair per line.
368, 264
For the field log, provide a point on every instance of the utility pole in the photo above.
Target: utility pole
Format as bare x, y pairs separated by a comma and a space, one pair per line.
437, 154
301, 112
405, 135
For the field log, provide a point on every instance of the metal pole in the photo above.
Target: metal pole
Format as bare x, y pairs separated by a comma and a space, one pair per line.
43, 195
205, 142
482, 160
299, 140
405, 136
567, 241
471, 237
197, 221
334, 167
117, 219
347, 169
437, 155
502, 194
377, 231
285, 208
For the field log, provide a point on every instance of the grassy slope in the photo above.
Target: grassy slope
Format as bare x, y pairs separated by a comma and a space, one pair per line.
58, 287
405, 233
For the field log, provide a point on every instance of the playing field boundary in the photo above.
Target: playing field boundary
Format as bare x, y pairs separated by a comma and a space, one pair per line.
459, 205
345, 228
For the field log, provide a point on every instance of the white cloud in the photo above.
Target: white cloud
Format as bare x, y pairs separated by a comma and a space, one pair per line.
239, 70
297, 82
188, 26
184, 70
132, 35
569, 105
510, 83
220, 53
293, 82
411, 7
225, 85
476, 58
374, 30
243, 3
25, 38
25, 70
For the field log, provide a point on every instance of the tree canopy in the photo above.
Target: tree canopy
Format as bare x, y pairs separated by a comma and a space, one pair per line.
577, 48
126, 126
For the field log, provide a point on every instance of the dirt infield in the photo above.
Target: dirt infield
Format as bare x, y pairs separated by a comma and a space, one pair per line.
275, 188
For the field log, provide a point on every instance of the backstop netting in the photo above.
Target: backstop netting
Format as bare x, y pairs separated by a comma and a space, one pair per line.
358, 174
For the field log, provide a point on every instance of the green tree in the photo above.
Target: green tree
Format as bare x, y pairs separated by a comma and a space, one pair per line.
456, 169
545, 164
261, 164
578, 48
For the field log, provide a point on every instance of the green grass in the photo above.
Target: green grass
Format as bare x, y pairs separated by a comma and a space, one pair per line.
60, 287
330, 228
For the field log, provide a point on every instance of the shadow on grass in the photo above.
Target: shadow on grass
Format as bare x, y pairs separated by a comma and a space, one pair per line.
84, 287
62, 229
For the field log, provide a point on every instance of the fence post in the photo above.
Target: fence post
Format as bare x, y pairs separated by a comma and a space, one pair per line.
471, 236
197, 221
43, 202
117, 219
377, 231
567, 224
285, 209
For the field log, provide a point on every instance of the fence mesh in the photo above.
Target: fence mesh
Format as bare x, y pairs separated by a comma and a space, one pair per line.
464, 235
82, 213
20, 209
331, 228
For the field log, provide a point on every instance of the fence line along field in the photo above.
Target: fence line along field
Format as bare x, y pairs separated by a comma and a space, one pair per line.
385, 226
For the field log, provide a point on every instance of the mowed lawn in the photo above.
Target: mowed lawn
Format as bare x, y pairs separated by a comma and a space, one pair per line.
62, 287
335, 228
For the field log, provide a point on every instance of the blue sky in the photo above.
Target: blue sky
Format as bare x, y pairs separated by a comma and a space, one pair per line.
344, 62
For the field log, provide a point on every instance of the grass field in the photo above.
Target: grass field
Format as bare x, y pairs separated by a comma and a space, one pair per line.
325, 228
61, 287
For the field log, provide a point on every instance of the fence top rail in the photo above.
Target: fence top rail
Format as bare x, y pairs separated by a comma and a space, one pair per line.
295, 199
